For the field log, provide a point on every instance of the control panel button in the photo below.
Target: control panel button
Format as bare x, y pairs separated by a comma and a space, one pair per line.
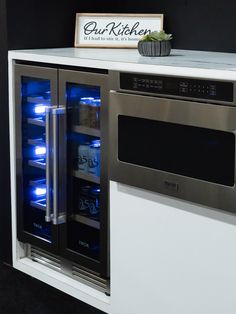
178, 86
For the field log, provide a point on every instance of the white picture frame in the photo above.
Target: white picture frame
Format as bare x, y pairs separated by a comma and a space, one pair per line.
110, 30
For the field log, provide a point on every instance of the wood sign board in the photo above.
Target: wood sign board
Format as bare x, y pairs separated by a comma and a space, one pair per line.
114, 30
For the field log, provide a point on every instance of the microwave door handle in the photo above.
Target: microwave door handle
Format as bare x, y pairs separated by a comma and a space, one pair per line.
58, 218
48, 216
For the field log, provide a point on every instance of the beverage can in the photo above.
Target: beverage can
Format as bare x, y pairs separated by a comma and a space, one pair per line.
94, 209
84, 111
83, 152
84, 200
95, 113
94, 158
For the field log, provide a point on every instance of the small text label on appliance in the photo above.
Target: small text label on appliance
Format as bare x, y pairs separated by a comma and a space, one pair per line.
171, 186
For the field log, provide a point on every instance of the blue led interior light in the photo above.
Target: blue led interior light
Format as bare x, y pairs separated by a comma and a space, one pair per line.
40, 109
96, 143
87, 98
40, 150
81, 92
97, 102
40, 191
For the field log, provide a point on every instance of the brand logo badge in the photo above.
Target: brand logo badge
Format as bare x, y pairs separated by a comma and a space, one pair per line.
84, 244
171, 186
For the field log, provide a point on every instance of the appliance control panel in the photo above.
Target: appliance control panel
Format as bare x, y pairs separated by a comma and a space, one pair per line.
177, 86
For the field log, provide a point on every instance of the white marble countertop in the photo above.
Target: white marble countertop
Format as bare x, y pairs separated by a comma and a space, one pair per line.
200, 64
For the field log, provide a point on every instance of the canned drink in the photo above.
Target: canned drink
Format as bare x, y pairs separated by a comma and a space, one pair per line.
84, 200
84, 111
95, 113
94, 158
83, 154
94, 209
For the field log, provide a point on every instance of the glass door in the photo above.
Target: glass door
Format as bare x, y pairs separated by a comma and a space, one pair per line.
35, 92
84, 236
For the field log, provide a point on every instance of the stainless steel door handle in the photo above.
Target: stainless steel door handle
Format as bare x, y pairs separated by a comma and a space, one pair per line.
48, 217
58, 217
55, 165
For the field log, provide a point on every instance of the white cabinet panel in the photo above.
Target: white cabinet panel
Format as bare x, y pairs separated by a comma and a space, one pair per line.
170, 257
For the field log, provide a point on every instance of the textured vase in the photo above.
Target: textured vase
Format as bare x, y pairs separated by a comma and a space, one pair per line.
154, 48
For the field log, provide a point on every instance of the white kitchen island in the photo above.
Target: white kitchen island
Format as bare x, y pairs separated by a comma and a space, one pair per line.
167, 256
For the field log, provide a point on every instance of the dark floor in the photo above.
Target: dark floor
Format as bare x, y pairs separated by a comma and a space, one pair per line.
22, 294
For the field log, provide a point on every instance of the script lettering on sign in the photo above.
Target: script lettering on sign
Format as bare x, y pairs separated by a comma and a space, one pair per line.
116, 29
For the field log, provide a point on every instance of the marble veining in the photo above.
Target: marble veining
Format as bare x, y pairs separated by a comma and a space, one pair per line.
132, 60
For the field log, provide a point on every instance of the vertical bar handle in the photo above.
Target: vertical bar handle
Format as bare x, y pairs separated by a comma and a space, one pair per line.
56, 113
55, 164
48, 178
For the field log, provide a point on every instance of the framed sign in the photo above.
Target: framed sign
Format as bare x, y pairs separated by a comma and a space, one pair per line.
114, 30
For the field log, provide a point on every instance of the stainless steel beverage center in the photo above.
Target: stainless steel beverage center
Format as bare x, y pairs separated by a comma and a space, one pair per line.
61, 155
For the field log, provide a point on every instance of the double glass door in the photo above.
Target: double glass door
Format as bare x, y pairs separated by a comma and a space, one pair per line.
61, 136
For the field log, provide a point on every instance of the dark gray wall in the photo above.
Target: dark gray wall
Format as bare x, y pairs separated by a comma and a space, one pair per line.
195, 24
5, 220
45, 23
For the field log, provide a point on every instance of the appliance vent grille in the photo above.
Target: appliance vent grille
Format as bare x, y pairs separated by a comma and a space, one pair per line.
45, 258
72, 270
90, 278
